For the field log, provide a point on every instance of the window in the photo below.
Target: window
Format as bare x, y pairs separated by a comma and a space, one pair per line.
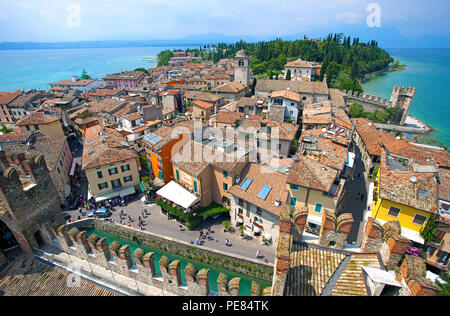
27, 127
99, 174
419, 219
241, 202
248, 213
113, 171
259, 211
125, 168
225, 174
116, 184
225, 187
178, 175
431, 250
394, 212
195, 187
36, 127
318, 208
103, 186
293, 201
264, 192
246, 184
444, 258
241, 211
58, 170
128, 179
294, 187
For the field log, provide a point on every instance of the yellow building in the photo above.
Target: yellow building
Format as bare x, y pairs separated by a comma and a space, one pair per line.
316, 187
405, 195
111, 167
40, 122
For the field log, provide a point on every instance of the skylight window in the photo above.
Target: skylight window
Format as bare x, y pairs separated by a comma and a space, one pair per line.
246, 184
264, 192
422, 193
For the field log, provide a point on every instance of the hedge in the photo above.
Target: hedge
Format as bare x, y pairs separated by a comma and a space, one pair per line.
192, 221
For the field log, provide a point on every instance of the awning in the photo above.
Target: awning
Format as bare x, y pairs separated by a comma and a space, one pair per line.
351, 160
267, 236
240, 220
111, 195
257, 230
178, 195
314, 220
74, 166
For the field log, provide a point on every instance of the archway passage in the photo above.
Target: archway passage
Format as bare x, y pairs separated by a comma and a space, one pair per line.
7, 239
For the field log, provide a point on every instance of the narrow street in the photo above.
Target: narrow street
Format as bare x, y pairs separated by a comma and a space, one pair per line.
355, 200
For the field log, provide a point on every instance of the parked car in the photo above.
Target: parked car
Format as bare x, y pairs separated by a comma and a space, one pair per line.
103, 213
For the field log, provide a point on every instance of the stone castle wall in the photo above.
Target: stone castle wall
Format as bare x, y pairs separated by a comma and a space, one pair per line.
117, 258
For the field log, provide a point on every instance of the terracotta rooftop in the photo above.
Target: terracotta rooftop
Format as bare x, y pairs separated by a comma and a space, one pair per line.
286, 94
7, 97
398, 186
203, 105
104, 146
69, 82
285, 131
299, 63
301, 87
371, 137
444, 185
37, 118
106, 106
229, 117
262, 176
317, 271
311, 269
202, 96
129, 75
230, 87
312, 174
191, 158
14, 137
26, 276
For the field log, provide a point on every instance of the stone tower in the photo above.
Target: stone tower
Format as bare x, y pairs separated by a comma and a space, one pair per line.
29, 203
242, 68
401, 99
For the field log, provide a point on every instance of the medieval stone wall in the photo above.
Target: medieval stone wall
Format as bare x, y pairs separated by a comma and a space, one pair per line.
118, 258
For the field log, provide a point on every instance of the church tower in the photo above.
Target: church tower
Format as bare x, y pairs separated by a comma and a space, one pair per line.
242, 68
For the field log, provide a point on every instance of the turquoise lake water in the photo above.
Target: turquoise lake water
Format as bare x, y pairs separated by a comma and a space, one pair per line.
245, 285
35, 69
429, 71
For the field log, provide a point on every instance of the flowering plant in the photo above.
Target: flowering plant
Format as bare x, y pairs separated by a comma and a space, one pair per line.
413, 251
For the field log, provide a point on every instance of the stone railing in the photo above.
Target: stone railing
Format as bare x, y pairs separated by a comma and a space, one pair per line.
119, 259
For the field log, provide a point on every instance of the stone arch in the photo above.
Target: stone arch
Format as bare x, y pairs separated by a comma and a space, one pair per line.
7, 238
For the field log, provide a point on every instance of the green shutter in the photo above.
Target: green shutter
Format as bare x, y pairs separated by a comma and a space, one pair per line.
195, 187
178, 175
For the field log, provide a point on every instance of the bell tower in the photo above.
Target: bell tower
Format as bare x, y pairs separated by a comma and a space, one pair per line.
242, 68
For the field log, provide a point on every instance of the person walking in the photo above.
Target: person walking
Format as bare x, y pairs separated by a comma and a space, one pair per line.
258, 253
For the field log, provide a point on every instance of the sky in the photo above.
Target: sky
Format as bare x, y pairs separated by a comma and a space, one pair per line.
88, 20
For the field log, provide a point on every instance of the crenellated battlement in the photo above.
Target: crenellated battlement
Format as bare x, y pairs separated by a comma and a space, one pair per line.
356, 95
401, 100
141, 266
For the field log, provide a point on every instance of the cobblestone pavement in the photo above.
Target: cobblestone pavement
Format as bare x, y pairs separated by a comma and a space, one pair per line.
158, 223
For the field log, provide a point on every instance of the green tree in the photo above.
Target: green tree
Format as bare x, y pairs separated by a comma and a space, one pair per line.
445, 287
84, 75
288, 75
356, 111
5, 130
332, 71
429, 232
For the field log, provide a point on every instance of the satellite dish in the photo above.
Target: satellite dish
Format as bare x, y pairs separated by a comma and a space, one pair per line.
324, 130
413, 179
